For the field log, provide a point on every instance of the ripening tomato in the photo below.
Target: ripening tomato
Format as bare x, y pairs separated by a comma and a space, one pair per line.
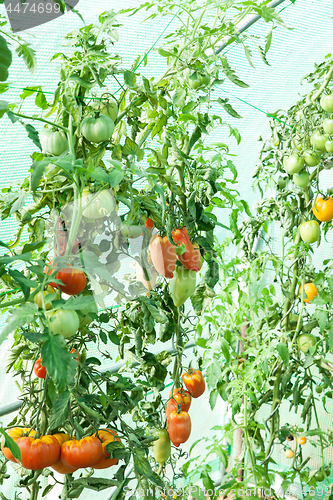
15, 433
301, 440
194, 382
47, 294
310, 291
58, 466
305, 341
179, 427
289, 453
63, 322
310, 231
190, 257
81, 453
38, 453
179, 399
39, 370
323, 209
163, 255
74, 280
162, 446
106, 436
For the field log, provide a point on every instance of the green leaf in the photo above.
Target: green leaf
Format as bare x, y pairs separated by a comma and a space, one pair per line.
179, 97
113, 337
11, 444
330, 338
32, 133
116, 175
213, 398
129, 79
3, 87
24, 282
248, 55
38, 172
113, 447
99, 175
230, 73
330, 285
130, 148
155, 478
284, 352
40, 100
213, 373
28, 54
268, 40
57, 360
228, 108
17, 318
141, 464
59, 411
19, 203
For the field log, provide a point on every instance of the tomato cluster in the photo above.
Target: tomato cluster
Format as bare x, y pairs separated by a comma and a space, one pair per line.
61, 452
176, 413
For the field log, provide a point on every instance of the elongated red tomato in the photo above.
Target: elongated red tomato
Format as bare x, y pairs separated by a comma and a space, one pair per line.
38, 453
59, 466
194, 382
189, 259
15, 433
179, 427
81, 453
39, 370
163, 255
149, 224
107, 436
179, 397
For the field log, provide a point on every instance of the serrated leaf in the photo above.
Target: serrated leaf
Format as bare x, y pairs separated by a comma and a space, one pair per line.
19, 203
57, 360
248, 55
228, 108
141, 464
32, 133
230, 73
59, 411
17, 318
28, 55
24, 282
40, 100
155, 478
284, 352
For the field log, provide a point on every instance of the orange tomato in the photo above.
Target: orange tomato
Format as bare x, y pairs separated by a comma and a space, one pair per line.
107, 436
38, 453
301, 440
15, 433
310, 291
179, 427
194, 382
289, 453
179, 397
189, 259
81, 453
59, 466
323, 209
163, 255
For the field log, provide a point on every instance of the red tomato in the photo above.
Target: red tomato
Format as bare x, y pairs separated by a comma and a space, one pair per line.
81, 453
39, 370
179, 427
58, 466
179, 397
194, 382
38, 453
107, 436
149, 224
15, 433
73, 351
189, 259
163, 255
74, 280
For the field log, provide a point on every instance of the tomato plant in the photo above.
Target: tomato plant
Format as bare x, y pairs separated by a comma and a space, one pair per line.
47, 296
180, 399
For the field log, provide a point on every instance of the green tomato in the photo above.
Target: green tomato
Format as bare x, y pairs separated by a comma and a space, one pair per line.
108, 107
97, 129
63, 322
305, 341
97, 205
162, 446
197, 80
131, 231
293, 320
319, 475
301, 179
319, 389
311, 158
182, 285
293, 164
53, 142
310, 231
5, 59
328, 126
329, 146
318, 141
326, 102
